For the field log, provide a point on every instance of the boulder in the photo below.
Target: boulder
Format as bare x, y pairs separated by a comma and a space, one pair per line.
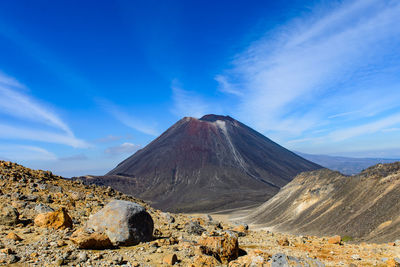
13, 236
125, 223
87, 240
279, 260
335, 239
57, 219
222, 245
392, 263
170, 259
282, 260
8, 215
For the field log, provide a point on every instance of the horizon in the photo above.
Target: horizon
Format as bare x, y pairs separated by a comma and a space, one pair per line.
85, 85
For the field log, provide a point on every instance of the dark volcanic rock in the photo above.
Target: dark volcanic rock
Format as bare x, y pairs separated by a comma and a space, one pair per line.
206, 164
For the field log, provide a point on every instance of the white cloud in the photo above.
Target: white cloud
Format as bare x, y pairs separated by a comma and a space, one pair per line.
109, 138
77, 157
16, 132
367, 128
9, 81
226, 87
395, 129
16, 104
26, 153
125, 148
128, 119
295, 78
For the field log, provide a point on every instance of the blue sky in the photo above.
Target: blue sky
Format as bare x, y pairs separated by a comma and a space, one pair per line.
84, 84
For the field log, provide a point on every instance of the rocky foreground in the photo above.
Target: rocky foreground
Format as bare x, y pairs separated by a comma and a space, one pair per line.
46, 220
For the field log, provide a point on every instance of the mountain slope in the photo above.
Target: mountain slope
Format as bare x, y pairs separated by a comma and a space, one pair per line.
206, 164
345, 165
324, 202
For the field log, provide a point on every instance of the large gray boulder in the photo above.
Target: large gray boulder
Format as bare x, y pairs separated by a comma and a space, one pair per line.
125, 223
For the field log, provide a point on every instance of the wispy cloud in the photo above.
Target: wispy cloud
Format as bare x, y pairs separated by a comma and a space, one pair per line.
16, 104
125, 148
20, 105
368, 128
77, 157
127, 119
226, 87
23, 152
109, 138
324, 66
16, 132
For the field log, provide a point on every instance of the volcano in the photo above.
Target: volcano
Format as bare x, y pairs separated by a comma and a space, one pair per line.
207, 164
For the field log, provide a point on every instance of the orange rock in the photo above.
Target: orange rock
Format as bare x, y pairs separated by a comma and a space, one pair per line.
34, 255
335, 239
240, 228
392, 263
7, 251
91, 240
224, 246
392, 244
13, 236
57, 219
170, 259
205, 261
